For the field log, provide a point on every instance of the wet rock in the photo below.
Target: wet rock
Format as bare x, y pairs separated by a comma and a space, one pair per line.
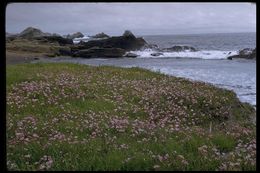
156, 54
230, 58
246, 53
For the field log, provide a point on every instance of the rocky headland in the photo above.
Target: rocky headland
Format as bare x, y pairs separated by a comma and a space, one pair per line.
33, 40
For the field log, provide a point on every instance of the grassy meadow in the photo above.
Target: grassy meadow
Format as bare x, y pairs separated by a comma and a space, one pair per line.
77, 117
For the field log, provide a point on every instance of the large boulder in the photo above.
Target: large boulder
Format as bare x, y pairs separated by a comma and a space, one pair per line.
246, 53
127, 42
96, 52
75, 35
180, 49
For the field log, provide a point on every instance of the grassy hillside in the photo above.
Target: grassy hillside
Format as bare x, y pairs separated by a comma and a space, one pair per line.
77, 117
35, 47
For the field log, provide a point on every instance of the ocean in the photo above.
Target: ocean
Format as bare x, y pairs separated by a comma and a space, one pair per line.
208, 64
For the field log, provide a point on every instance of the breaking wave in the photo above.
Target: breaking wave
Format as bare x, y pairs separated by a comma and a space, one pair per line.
203, 54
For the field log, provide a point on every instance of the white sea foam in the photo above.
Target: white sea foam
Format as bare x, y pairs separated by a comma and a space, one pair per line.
203, 54
77, 40
85, 39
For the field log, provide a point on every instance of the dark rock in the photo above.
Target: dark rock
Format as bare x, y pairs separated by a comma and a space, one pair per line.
230, 57
128, 42
180, 49
96, 52
156, 54
128, 33
131, 55
101, 35
246, 53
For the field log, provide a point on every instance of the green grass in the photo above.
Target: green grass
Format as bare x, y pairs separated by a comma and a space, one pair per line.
224, 143
110, 118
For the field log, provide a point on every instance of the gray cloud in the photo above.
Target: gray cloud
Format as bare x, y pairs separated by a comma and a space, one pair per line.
141, 18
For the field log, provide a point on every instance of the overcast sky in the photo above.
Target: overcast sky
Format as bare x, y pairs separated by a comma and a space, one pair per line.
140, 18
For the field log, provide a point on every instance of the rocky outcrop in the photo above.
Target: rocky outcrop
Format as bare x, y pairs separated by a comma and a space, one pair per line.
96, 52
101, 35
127, 42
31, 32
179, 49
75, 35
246, 53
128, 33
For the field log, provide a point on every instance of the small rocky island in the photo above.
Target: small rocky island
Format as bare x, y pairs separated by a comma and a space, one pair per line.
246, 53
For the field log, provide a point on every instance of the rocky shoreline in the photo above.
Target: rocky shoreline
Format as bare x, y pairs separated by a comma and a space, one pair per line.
33, 40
